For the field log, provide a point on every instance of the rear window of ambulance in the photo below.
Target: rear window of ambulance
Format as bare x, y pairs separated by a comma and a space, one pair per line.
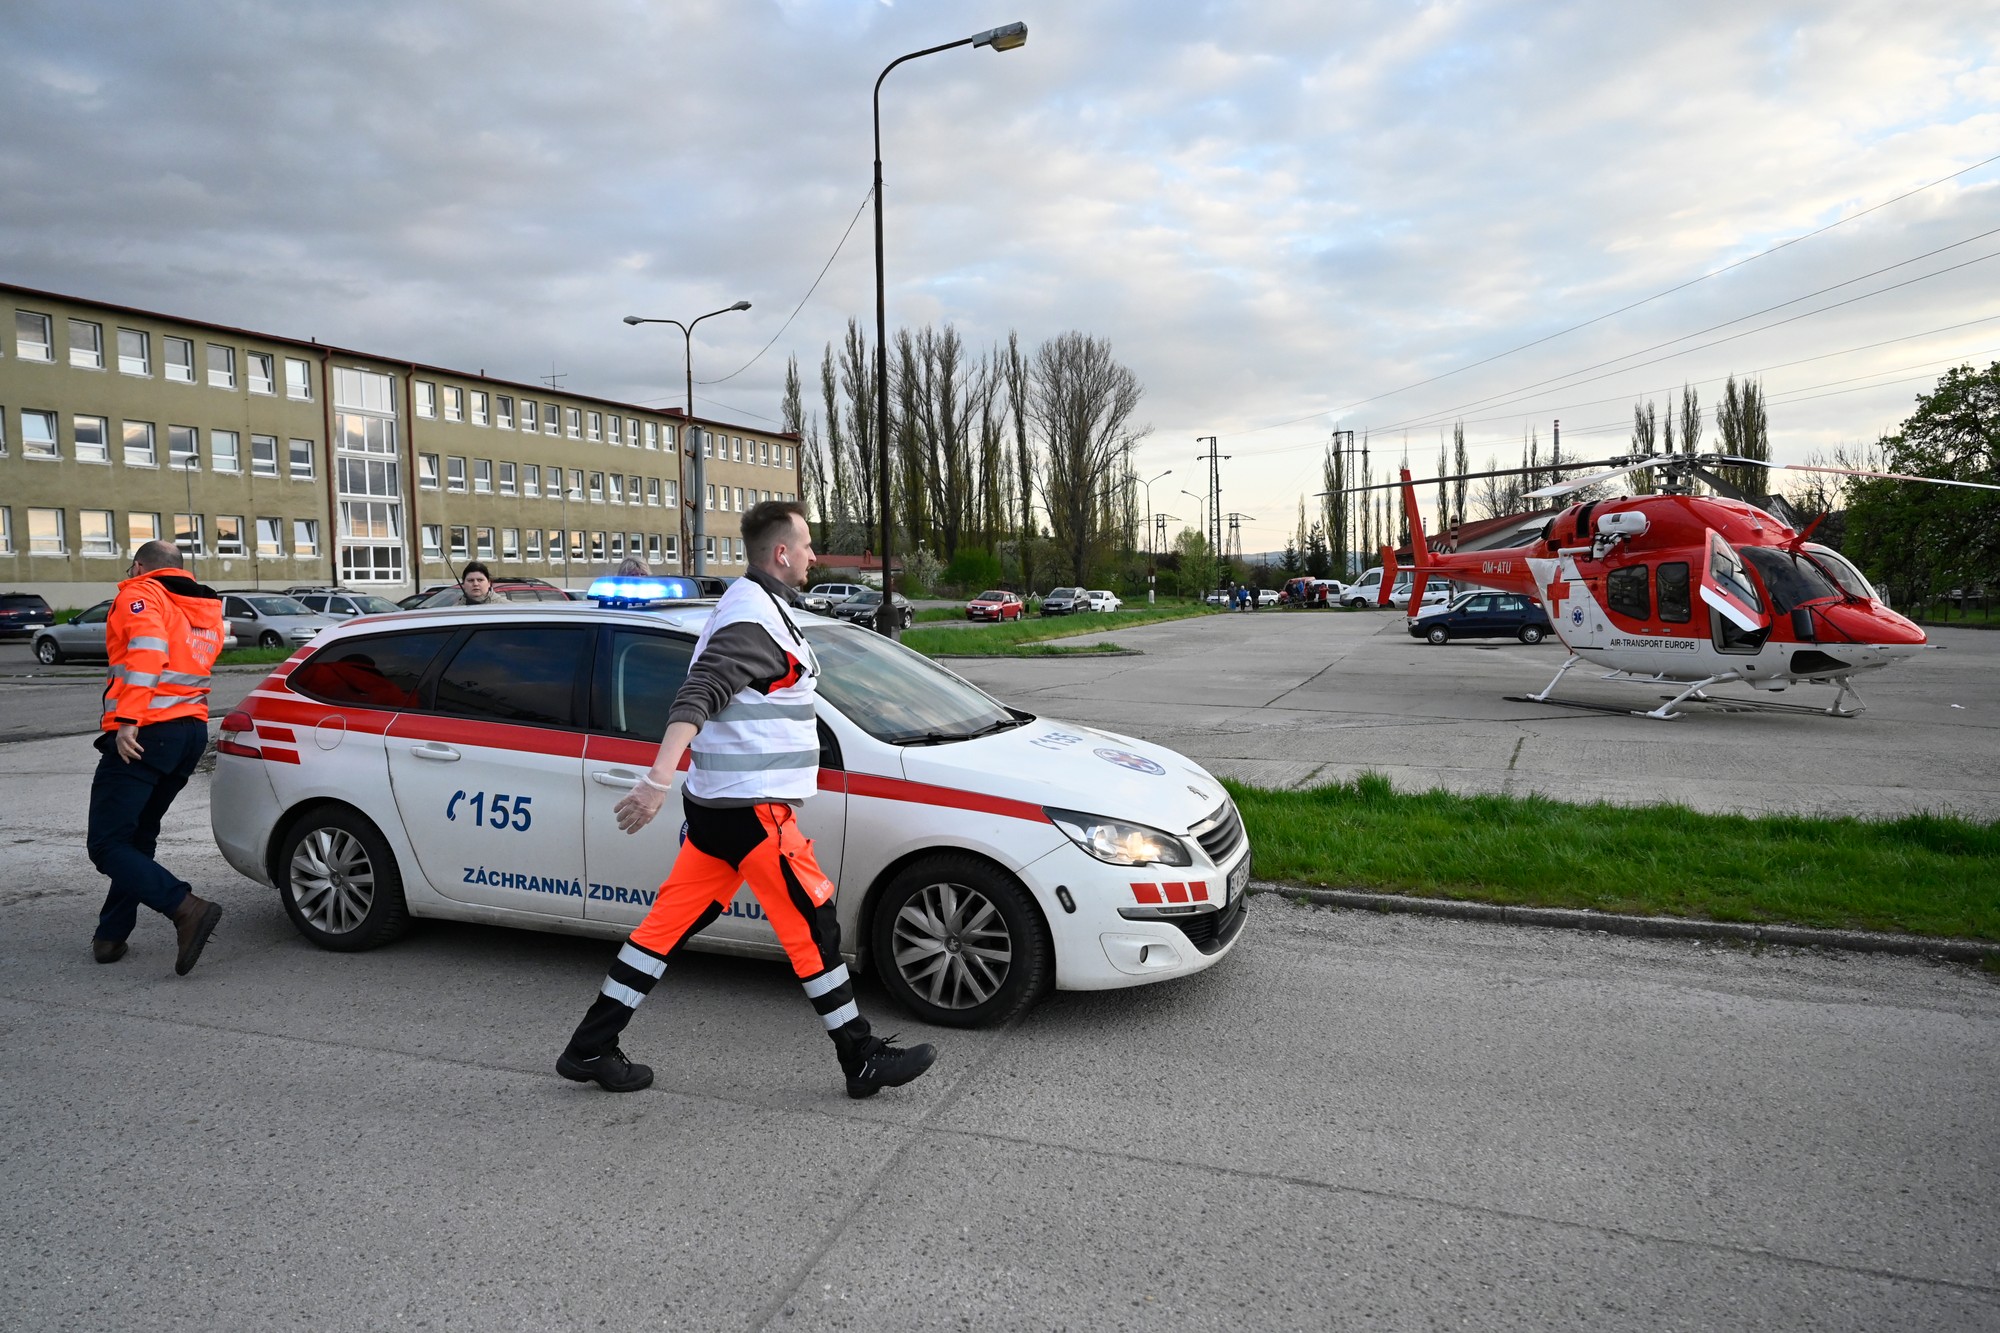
377, 671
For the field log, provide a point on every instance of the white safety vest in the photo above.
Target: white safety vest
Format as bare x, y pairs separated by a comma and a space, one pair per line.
760, 747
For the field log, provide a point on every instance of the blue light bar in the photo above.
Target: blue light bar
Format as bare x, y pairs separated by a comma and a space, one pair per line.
637, 590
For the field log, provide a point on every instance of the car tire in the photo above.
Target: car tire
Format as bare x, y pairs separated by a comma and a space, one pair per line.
1531, 634
912, 942
1438, 634
339, 882
48, 652
269, 639
909, 619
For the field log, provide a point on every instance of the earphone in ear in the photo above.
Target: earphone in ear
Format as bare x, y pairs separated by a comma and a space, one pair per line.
785, 561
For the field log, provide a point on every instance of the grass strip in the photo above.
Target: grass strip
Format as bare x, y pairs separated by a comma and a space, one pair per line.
1050, 650
1006, 640
1922, 874
253, 656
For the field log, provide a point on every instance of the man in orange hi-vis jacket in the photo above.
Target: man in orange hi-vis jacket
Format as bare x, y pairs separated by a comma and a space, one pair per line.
162, 637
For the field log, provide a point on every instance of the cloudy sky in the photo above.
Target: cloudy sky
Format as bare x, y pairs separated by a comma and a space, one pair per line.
1286, 216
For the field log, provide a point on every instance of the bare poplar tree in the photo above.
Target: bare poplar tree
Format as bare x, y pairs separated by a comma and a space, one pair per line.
1459, 467
857, 385
836, 499
1690, 419
1018, 377
1746, 433
1082, 401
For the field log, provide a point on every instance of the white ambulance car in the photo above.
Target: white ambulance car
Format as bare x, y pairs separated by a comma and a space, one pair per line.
464, 763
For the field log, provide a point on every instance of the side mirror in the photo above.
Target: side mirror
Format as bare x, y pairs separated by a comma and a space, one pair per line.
1802, 625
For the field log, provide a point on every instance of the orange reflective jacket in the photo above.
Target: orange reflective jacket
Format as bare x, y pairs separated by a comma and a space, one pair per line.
163, 636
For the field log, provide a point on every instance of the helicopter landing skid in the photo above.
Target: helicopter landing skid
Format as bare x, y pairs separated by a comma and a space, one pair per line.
1697, 695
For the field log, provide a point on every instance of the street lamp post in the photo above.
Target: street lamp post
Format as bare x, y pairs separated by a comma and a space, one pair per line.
1150, 573
697, 556
1000, 39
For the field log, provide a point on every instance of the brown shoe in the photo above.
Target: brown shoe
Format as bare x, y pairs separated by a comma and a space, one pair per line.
194, 921
107, 951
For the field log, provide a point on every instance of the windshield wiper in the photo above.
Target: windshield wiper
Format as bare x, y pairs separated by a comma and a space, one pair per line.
947, 737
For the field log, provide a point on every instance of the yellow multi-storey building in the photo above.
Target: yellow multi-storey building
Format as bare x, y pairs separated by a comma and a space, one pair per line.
275, 462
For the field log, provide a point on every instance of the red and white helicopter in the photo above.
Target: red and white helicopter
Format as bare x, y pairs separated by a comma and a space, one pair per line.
1685, 589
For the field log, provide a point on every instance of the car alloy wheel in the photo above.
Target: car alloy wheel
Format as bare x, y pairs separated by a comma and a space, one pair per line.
47, 653
959, 942
340, 883
269, 639
1531, 634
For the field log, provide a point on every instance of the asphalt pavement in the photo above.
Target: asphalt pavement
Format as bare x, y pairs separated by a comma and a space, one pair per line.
1355, 1121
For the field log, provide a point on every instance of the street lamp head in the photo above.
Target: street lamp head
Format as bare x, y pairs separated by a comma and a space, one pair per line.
741, 305
1005, 38
634, 319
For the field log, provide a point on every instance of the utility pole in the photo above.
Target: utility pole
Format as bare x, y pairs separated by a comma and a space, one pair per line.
1236, 534
1214, 460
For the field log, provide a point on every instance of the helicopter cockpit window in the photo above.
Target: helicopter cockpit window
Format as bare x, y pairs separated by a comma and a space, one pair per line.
1672, 586
1625, 589
1842, 571
1792, 579
1726, 568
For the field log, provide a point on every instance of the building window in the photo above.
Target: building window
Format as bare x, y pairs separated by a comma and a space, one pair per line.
653, 492
459, 539
652, 434
667, 437
483, 537
707, 444
302, 460
673, 492
618, 546
531, 480
427, 472
711, 498
140, 529
479, 407
596, 425
38, 435
187, 533
433, 541
93, 439
575, 485
6, 530
617, 489
368, 477
263, 455
708, 549
653, 549
528, 410
510, 543
738, 442
86, 348
597, 488
228, 534
534, 549
575, 416
555, 544
632, 432
270, 536
575, 544
180, 360
454, 474
224, 451
482, 476
552, 420
183, 447
454, 403
93, 532
221, 366
739, 499
503, 410
427, 399
139, 450
262, 368
298, 378
507, 486
611, 435
135, 352
32, 342
597, 546
45, 532
305, 537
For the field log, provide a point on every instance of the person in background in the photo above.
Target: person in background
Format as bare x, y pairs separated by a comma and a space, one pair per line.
475, 585
633, 567
162, 638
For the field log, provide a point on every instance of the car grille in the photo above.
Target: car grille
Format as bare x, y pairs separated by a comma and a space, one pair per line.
1211, 931
1221, 833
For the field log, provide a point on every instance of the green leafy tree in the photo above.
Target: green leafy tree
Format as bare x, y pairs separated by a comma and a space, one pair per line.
1198, 566
1745, 429
1319, 556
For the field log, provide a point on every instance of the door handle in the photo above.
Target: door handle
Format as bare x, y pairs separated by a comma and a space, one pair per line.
442, 753
614, 778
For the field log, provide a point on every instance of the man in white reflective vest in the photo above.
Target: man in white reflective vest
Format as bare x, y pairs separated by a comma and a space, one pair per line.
746, 715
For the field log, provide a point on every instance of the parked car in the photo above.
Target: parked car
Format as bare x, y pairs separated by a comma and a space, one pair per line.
1483, 615
417, 599
1217, 596
271, 619
509, 588
1065, 601
1103, 599
861, 609
344, 605
995, 604
1306, 590
83, 636
23, 613
1366, 590
821, 598
1267, 596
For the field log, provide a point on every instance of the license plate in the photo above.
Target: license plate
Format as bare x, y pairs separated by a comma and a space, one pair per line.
1239, 879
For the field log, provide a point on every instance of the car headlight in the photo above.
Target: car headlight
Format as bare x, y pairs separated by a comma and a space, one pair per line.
1118, 843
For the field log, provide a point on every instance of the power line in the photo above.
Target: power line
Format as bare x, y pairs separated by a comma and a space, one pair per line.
1623, 309
869, 193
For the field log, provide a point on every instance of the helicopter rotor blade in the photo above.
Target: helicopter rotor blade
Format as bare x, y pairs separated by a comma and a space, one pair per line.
1564, 466
1857, 472
1569, 484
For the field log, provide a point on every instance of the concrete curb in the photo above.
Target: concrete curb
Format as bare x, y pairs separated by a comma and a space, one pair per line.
1652, 927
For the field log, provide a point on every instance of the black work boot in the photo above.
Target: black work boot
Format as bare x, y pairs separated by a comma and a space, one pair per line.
194, 922
107, 951
608, 1069
873, 1063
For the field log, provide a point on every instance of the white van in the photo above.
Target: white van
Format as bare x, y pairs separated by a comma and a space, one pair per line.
1365, 590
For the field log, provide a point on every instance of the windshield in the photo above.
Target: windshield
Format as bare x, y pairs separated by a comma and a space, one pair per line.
372, 605
1067, 592
1725, 568
278, 606
866, 598
1842, 571
989, 596
897, 695
1792, 579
